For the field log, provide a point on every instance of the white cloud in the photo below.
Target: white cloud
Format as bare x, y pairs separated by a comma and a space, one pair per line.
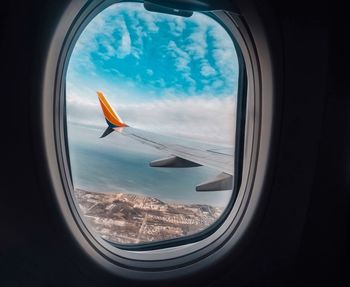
149, 20
149, 72
205, 119
217, 84
181, 57
197, 43
100, 35
124, 47
177, 26
224, 52
207, 70
98, 32
182, 62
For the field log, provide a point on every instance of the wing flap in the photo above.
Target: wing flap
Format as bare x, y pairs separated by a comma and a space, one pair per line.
173, 161
223, 181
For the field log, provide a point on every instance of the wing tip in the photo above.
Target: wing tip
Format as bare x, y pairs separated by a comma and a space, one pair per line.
111, 116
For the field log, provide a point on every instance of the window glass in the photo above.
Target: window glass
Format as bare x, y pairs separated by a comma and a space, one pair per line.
151, 105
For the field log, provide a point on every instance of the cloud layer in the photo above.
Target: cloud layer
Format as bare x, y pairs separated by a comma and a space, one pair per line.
204, 119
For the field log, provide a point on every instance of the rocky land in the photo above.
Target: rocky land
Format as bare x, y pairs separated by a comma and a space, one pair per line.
133, 219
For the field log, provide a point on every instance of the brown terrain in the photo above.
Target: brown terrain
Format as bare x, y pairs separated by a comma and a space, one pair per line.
132, 219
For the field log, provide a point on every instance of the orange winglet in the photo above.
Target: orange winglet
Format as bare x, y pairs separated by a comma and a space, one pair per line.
111, 116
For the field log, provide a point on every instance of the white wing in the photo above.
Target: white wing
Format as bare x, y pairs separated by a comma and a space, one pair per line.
184, 154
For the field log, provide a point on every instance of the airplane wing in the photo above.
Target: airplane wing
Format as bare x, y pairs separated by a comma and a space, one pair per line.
181, 155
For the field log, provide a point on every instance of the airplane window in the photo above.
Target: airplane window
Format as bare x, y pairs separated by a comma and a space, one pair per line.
151, 119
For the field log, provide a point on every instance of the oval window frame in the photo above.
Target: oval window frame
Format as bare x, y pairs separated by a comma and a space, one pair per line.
145, 264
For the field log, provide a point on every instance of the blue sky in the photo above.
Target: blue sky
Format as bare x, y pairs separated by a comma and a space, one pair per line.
156, 69
165, 74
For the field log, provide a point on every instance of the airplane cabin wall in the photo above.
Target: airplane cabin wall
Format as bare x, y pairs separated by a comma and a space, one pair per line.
303, 239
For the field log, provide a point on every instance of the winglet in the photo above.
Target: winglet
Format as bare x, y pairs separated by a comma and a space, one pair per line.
111, 116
